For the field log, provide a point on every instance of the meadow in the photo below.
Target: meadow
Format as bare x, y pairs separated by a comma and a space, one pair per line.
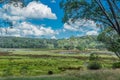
35, 64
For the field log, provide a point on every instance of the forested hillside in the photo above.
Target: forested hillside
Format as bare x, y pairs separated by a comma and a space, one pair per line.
81, 43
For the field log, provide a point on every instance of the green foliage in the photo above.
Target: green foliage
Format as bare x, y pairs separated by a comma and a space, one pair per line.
69, 47
94, 65
93, 57
25, 62
24, 70
13, 42
7, 71
81, 43
116, 65
34, 66
107, 16
76, 75
111, 39
95, 10
80, 47
50, 72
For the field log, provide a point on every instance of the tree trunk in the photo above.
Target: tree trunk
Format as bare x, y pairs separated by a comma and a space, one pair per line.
118, 54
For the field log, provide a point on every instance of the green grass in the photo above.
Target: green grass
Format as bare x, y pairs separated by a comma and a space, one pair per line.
27, 62
76, 75
37, 66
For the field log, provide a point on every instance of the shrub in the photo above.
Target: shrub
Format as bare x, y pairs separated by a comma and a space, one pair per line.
93, 57
50, 72
7, 71
70, 68
23, 70
93, 62
116, 65
94, 65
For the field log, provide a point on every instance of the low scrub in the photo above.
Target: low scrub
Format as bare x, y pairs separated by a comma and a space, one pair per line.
94, 65
50, 72
116, 65
70, 68
77, 75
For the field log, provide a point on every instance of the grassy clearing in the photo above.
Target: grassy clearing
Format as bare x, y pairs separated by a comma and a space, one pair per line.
25, 62
77, 75
37, 66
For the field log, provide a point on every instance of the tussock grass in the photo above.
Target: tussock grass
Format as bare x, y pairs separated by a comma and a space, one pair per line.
78, 75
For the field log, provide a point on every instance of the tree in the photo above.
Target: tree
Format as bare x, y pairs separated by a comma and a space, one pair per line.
111, 39
105, 12
80, 47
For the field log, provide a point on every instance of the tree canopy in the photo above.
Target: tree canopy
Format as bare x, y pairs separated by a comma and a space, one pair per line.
111, 39
105, 12
77, 43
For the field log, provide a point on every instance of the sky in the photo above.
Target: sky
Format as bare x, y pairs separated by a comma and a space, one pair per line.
42, 19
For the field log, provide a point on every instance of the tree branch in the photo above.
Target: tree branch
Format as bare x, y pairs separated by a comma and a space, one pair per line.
114, 15
106, 15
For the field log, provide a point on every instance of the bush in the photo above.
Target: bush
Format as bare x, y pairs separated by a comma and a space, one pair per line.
23, 70
116, 65
50, 72
93, 57
93, 62
94, 65
7, 71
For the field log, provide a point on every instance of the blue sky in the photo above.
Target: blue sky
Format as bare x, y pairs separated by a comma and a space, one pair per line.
42, 19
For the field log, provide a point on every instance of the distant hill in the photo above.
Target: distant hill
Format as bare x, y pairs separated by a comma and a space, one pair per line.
83, 42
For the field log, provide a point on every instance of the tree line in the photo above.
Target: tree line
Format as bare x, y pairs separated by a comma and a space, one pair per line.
81, 43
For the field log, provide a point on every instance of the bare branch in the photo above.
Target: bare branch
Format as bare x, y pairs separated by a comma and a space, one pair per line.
114, 15
105, 13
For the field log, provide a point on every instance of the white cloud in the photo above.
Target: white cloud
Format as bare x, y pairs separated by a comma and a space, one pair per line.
53, 1
70, 27
81, 25
53, 37
33, 10
92, 33
28, 30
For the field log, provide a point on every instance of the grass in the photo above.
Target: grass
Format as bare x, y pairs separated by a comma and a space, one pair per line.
26, 62
76, 75
38, 66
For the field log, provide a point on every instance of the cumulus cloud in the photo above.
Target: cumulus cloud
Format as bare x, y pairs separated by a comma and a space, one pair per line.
53, 37
92, 33
18, 14
81, 25
28, 30
34, 10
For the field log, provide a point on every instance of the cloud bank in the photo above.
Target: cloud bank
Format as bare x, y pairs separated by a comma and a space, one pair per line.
34, 10
28, 30
18, 15
81, 25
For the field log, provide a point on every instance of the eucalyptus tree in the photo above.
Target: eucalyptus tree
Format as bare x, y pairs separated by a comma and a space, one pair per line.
111, 39
105, 12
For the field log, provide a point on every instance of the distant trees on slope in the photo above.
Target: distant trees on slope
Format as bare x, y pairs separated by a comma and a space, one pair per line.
81, 43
